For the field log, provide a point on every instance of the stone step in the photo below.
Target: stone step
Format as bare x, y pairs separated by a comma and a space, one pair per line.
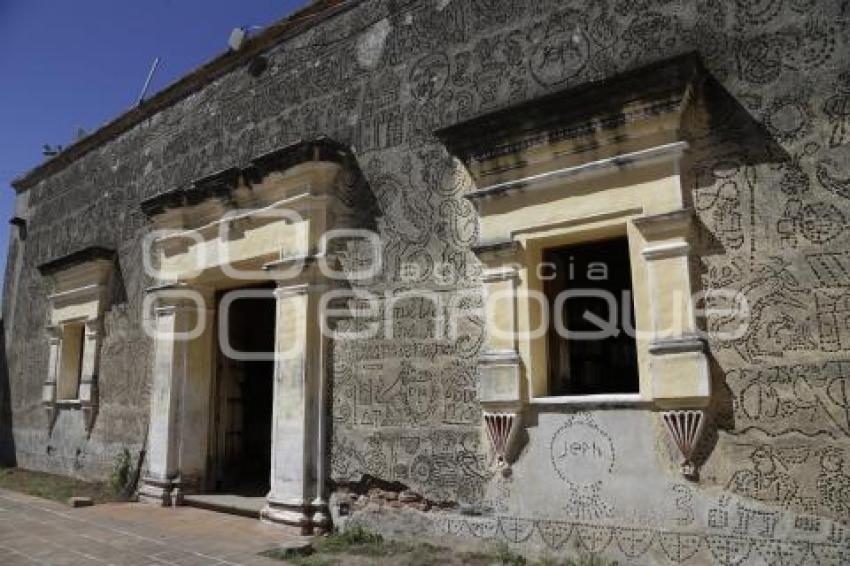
227, 503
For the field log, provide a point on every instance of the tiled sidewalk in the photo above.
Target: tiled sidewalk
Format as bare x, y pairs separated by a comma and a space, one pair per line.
37, 531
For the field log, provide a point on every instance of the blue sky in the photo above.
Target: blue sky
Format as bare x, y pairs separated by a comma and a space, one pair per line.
70, 64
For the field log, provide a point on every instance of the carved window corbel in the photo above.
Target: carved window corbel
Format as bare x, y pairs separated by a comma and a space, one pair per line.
686, 428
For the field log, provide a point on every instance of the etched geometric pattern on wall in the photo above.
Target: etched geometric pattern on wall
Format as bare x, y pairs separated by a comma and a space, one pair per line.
771, 198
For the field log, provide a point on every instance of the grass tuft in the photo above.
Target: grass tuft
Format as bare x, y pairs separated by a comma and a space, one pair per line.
507, 557
358, 541
355, 535
583, 559
121, 469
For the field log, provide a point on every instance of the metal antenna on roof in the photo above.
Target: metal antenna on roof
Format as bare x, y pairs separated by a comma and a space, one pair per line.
147, 82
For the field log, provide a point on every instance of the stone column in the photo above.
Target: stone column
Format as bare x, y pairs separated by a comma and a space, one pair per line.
298, 445
678, 363
681, 382
501, 385
179, 409
88, 377
48, 389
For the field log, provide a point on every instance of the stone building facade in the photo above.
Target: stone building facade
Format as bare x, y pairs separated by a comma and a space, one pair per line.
475, 138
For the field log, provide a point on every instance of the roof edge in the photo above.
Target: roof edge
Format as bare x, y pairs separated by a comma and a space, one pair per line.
286, 28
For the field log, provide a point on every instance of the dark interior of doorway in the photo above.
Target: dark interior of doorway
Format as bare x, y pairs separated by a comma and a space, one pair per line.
246, 388
593, 364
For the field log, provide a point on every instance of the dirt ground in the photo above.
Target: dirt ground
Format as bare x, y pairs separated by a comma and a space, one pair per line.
358, 547
50, 486
38, 527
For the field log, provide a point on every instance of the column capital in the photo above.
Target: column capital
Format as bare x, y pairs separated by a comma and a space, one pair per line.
54, 333
286, 289
293, 271
94, 327
500, 274
173, 296
667, 225
494, 251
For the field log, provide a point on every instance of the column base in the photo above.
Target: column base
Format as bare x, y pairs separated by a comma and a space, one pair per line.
165, 493
321, 517
311, 518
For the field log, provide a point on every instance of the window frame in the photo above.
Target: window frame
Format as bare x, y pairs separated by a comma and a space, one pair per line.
563, 378
66, 349
80, 287
643, 201
535, 350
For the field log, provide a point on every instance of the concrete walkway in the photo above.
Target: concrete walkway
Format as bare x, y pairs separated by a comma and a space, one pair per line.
37, 531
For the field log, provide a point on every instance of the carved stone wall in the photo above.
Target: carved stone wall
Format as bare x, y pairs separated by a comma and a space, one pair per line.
7, 442
772, 203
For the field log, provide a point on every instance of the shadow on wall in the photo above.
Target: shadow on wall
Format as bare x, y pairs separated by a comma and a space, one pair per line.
727, 146
7, 440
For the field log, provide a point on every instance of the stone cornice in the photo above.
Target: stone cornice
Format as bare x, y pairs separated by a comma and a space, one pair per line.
664, 87
76, 258
666, 152
319, 149
221, 184
217, 185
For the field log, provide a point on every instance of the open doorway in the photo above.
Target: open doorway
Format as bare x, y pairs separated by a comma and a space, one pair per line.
244, 394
